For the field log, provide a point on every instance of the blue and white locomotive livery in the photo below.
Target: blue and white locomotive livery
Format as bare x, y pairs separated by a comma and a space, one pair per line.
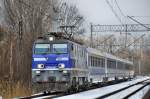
62, 64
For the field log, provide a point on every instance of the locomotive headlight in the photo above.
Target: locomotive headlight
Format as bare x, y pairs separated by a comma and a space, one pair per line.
37, 72
65, 72
40, 66
51, 38
61, 66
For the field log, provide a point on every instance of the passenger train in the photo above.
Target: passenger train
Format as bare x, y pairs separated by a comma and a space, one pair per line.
61, 64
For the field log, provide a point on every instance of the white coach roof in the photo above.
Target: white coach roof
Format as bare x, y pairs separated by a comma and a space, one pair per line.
107, 55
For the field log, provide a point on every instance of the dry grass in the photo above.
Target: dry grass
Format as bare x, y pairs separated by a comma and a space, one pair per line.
9, 90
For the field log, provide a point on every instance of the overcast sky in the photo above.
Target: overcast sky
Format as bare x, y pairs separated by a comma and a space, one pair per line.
99, 12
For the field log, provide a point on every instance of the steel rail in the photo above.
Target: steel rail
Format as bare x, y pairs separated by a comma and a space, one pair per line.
119, 90
131, 94
41, 95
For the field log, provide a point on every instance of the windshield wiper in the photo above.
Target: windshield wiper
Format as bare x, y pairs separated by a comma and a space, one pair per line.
56, 52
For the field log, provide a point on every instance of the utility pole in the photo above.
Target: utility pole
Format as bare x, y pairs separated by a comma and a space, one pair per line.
141, 55
126, 32
140, 58
91, 37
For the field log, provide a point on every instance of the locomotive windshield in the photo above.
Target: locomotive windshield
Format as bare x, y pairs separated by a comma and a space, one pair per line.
59, 48
50, 48
42, 48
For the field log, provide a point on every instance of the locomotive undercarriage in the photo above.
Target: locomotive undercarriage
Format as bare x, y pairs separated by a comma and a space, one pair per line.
73, 82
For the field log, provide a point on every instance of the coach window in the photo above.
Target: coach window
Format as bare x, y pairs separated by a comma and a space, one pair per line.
119, 65
114, 64
89, 58
108, 63
82, 52
127, 66
103, 62
94, 61
91, 61
123, 66
131, 67
111, 65
98, 62
72, 47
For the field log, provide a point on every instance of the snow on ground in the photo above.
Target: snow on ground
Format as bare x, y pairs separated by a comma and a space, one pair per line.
44, 97
140, 94
37, 94
91, 94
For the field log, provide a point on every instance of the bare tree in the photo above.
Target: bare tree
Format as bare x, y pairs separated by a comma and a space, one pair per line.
24, 21
69, 20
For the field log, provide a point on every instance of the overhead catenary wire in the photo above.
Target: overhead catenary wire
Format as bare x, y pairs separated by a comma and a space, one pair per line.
138, 22
119, 8
141, 16
114, 12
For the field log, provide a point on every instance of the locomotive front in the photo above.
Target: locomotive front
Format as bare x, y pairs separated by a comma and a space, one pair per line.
50, 65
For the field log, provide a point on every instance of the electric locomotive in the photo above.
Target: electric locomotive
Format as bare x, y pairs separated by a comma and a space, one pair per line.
56, 65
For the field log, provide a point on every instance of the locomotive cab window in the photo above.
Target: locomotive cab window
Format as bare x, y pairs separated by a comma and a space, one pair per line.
42, 48
59, 48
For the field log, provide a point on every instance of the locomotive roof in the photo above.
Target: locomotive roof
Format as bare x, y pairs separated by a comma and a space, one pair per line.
55, 41
110, 56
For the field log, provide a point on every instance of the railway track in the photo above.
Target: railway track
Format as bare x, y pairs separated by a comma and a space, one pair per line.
129, 90
48, 95
136, 86
44, 95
